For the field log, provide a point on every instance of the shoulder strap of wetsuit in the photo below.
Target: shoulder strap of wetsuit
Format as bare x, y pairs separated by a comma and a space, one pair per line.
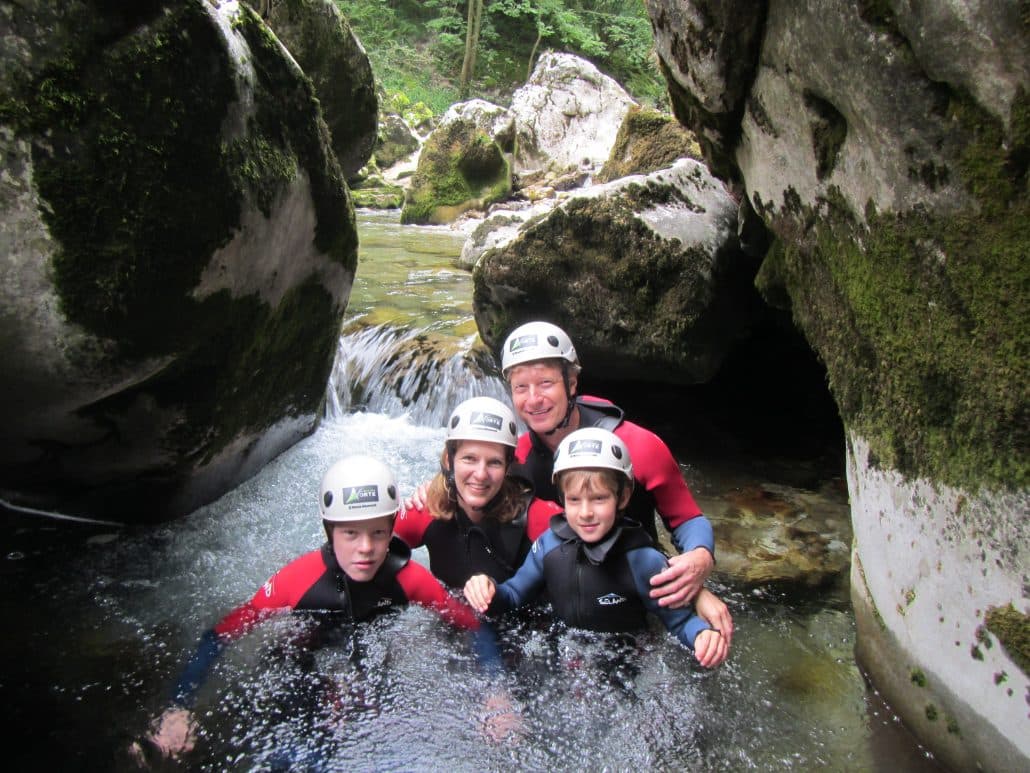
595, 412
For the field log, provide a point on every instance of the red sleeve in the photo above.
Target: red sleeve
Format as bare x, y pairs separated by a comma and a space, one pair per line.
282, 591
657, 471
539, 517
421, 587
411, 526
522, 448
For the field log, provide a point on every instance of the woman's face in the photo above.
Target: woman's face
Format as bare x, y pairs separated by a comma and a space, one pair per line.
479, 470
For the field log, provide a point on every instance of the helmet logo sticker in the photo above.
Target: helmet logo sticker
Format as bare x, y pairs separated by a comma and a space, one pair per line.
587, 446
487, 420
361, 496
522, 342
610, 600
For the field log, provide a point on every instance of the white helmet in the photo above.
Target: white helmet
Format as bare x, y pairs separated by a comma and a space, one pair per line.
592, 447
358, 488
536, 341
483, 418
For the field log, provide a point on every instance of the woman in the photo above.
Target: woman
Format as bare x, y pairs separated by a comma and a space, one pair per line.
476, 519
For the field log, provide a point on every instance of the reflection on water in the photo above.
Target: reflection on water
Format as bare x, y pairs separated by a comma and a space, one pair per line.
100, 621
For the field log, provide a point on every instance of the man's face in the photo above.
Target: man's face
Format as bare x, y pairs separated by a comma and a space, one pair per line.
538, 394
361, 546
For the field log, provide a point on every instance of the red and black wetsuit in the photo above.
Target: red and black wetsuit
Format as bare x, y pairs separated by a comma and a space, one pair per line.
459, 548
315, 581
659, 483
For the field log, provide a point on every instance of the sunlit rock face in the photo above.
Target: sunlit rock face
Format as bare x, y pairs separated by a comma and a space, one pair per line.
885, 147
177, 246
644, 273
566, 116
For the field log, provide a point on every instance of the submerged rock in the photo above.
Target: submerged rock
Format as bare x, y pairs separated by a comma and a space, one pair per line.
178, 248
775, 535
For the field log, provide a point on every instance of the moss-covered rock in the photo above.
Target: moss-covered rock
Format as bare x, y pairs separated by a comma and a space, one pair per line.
648, 140
326, 48
644, 273
461, 168
179, 250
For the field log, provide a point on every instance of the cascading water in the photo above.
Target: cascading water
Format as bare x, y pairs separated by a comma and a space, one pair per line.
100, 621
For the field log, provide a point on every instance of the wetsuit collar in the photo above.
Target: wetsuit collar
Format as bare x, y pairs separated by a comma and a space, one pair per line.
595, 552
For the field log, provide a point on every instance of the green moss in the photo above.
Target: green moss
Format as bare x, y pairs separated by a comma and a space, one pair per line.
647, 141
918, 678
921, 318
1012, 629
126, 151
931, 712
953, 728
286, 92
262, 168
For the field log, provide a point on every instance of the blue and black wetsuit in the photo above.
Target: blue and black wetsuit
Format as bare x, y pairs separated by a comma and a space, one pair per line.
600, 586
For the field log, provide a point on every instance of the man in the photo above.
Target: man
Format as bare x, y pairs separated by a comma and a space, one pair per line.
541, 367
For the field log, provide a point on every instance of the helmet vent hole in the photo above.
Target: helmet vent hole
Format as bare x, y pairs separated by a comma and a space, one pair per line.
327, 499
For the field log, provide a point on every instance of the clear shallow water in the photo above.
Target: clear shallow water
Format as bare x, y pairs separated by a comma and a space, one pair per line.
101, 620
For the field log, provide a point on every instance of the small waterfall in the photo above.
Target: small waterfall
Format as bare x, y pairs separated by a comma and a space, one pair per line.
398, 370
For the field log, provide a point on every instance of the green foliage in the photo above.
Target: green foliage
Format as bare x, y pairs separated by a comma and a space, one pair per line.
416, 48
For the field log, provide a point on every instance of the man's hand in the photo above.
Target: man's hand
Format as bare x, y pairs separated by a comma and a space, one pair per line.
687, 572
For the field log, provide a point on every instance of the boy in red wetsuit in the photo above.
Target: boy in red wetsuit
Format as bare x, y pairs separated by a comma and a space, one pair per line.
361, 571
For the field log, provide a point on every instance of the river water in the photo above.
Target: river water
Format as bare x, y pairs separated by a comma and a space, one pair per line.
100, 620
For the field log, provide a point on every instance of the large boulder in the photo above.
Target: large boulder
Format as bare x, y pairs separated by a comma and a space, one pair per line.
462, 166
326, 48
566, 116
644, 273
886, 147
177, 248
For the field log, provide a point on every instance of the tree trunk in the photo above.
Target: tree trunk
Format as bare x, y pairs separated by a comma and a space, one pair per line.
532, 53
468, 65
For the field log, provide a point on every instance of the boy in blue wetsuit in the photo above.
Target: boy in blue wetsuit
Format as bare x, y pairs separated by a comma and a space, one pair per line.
594, 564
